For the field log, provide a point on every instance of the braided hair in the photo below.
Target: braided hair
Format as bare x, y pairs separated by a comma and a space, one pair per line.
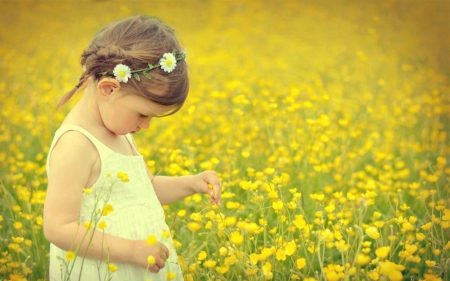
136, 41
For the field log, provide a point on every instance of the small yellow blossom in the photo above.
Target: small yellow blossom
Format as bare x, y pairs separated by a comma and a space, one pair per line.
107, 209
202, 255
194, 226
426, 226
372, 232
102, 225
181, 213
151, 260
290, 248
223, 251
362, 259
17, 240
112, 267
447, 246
17, 225
123, 176
151, 239
70, 255
165, 234
196, 217
301, 263
87, 190
170, 275
209, 264
382, 252
420, 236
236, 238
280, 254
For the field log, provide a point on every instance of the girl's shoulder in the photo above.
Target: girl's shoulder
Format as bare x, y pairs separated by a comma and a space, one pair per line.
70, 149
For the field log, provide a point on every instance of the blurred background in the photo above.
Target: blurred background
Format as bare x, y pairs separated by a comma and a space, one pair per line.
318, 96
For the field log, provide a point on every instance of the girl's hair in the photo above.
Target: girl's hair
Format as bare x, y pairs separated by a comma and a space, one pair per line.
136, 42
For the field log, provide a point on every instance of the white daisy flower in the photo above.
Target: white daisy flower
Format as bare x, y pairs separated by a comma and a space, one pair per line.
122, 73
168, 62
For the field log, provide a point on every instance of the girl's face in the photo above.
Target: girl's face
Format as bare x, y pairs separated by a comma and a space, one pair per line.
129, 113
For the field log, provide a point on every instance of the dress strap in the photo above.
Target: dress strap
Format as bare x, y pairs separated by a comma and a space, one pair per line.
132, 143
102, 149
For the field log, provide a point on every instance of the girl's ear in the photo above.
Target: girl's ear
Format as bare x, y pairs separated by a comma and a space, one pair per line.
106, 87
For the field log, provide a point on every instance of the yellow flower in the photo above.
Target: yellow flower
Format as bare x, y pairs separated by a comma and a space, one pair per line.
236, 238
151, 240
223, 251
379, 224
88, 224
383, 252
194, 226
280, 254
341, 245
123, 176
301, 263
70, 255
278, 205
202, 255
362, 259
447, 246
17, 225
372, 232
332, 276
170, 275
291, 247
209, 264
165, 233
427, 226
373, 275
17, 240
392, 270
87, 190
181, 213
196, 217
107, 209
223, 269
112, 267
267, 270
420, 236
102, 225
151, 260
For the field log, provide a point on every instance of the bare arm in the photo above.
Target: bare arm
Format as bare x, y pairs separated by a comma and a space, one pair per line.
172, 189
71, 163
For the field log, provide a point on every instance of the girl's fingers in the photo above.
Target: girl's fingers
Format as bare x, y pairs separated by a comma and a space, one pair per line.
165, 251
214, 187
215, 192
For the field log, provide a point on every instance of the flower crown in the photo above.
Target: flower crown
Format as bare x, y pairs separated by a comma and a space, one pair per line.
123, 72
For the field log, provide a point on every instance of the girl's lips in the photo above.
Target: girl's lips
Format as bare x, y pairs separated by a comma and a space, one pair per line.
137, 130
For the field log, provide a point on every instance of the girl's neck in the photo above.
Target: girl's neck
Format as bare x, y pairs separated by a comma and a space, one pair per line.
86, 113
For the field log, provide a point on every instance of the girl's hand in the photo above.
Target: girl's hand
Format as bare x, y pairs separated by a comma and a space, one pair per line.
141, 251
208, 182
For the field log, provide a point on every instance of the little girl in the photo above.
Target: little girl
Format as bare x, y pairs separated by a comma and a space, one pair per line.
103, 213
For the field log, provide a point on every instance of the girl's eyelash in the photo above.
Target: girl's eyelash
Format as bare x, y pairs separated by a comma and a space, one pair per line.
142, 115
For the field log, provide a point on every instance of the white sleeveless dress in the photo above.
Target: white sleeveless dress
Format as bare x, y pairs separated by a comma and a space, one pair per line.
136, 215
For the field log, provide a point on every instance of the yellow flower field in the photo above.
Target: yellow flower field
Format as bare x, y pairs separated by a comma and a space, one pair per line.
327, 121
